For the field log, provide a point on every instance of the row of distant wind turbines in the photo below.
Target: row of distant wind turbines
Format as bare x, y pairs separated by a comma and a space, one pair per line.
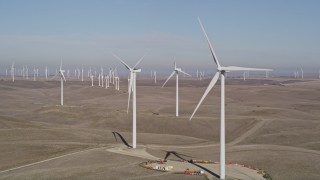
108, 78
79, 74
24, 72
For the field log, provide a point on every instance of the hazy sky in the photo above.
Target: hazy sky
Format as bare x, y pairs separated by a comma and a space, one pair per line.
270, 33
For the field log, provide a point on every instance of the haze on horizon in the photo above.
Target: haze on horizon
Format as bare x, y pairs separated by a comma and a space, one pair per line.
270, 34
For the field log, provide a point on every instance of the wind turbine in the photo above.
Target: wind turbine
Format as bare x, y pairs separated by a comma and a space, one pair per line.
221, 71
99, 79
107, 81
82, 74
46, 72
176, 71
116, 79
91, 77
34, 74
12, 72
26, 72
132, 87
62, 78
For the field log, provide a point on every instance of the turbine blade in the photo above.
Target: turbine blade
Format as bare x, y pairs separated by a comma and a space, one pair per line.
126, 65
184, 72
169, 78
210, 46
212, 83
130, 89
139, 61
62, 75
236, 68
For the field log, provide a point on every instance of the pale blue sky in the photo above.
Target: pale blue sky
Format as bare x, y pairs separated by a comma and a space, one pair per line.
271, 33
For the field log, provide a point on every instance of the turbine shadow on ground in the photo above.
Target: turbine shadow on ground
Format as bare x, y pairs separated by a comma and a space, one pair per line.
178, 155
115, 134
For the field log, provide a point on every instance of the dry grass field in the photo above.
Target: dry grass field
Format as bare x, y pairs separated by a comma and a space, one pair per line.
270, 124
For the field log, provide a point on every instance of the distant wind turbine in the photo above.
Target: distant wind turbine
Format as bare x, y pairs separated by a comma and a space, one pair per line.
12, 72
176, 71
82, 74
99, 79
46, 72
34, 74
62, 78
27, 73
91, 77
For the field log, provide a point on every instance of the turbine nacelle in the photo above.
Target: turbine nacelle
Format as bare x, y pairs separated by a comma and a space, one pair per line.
135, 70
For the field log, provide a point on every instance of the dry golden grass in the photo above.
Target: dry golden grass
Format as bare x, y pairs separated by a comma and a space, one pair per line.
269, 126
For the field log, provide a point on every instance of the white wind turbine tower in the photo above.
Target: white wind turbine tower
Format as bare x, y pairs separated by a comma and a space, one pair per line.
82, 74
176, 71
27, 73
132, 87
155, 77
221, 70
46, 72
116, 79
62, 79
99, 79
34, 74
107, 81
23, 71
91, 76
301, 73
12, 72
